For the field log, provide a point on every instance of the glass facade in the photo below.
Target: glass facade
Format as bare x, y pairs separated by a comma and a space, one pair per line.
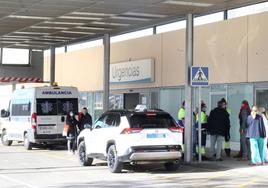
171, 99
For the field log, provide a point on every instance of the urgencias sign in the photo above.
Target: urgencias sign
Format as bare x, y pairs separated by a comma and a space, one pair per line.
138, 71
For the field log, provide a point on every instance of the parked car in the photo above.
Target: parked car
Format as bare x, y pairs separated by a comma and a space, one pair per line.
122, 136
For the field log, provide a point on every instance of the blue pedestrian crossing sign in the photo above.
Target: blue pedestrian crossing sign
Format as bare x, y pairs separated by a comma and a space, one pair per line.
199, 76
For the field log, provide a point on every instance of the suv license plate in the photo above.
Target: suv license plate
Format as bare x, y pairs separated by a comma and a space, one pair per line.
156, 135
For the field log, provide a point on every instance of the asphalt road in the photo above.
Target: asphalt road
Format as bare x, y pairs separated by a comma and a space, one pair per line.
55, 168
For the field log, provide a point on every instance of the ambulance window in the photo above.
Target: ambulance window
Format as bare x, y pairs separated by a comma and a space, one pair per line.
46, 106
66, 105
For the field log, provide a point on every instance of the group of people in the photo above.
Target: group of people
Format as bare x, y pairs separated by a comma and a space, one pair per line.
253, 132
76, 125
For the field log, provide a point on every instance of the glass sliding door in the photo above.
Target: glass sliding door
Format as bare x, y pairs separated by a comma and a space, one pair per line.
262, 98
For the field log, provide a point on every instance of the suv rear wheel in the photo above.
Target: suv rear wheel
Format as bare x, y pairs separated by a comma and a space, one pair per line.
171, 166
4, 139
114, 165
82, 156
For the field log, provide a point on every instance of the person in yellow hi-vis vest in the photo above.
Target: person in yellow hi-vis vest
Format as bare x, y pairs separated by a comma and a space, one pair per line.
204, 121
227, 145
181, 120
181, 115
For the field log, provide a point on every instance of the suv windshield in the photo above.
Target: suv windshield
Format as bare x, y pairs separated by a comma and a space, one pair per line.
152, 121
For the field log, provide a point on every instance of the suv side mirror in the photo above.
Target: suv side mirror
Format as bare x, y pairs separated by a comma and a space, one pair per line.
4, 113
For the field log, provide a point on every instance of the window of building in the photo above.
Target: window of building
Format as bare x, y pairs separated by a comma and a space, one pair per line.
84, 45
248, 10
14, 56
132, 35
210, 18
171, 27
5, 96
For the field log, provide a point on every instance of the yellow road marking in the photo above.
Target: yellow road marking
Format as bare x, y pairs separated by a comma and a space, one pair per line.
252, 181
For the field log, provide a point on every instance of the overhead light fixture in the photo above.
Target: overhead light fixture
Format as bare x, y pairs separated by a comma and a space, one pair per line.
188, 3
144, 14
8, 42
36, 42
91, 14
57, 37
110, 23
29, 45
29, 17
52, 39
48, 27
63, 23
80, 18
30, 33
20, 36
78, 32
130, 18
9, 38
93, 28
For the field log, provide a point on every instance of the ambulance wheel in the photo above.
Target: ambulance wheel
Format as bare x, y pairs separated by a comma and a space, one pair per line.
4, 139
27, 144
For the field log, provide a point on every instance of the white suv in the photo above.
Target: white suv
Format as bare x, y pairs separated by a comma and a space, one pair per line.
121, 136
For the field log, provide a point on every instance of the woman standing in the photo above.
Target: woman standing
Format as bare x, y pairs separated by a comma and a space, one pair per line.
72, 132
265, 120
256, 134
244, 145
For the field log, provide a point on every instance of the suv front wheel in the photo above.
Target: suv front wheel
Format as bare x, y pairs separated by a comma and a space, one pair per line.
82, 155
114, 165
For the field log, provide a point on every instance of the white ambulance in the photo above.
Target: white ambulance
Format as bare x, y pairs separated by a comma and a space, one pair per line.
37, 115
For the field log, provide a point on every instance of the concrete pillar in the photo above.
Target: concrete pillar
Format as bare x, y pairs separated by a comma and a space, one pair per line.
188, 145
52, 65
225, 15
154, 30
106, 72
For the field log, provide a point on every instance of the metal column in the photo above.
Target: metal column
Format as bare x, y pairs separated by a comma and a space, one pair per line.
188, 143
52, 65
106, 72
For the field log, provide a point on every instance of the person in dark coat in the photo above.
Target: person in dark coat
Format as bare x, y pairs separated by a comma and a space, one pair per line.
218, 127
72, 132
256, 133
244, 143
84, 118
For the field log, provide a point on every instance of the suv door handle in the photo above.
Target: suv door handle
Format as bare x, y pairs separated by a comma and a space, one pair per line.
62, 119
